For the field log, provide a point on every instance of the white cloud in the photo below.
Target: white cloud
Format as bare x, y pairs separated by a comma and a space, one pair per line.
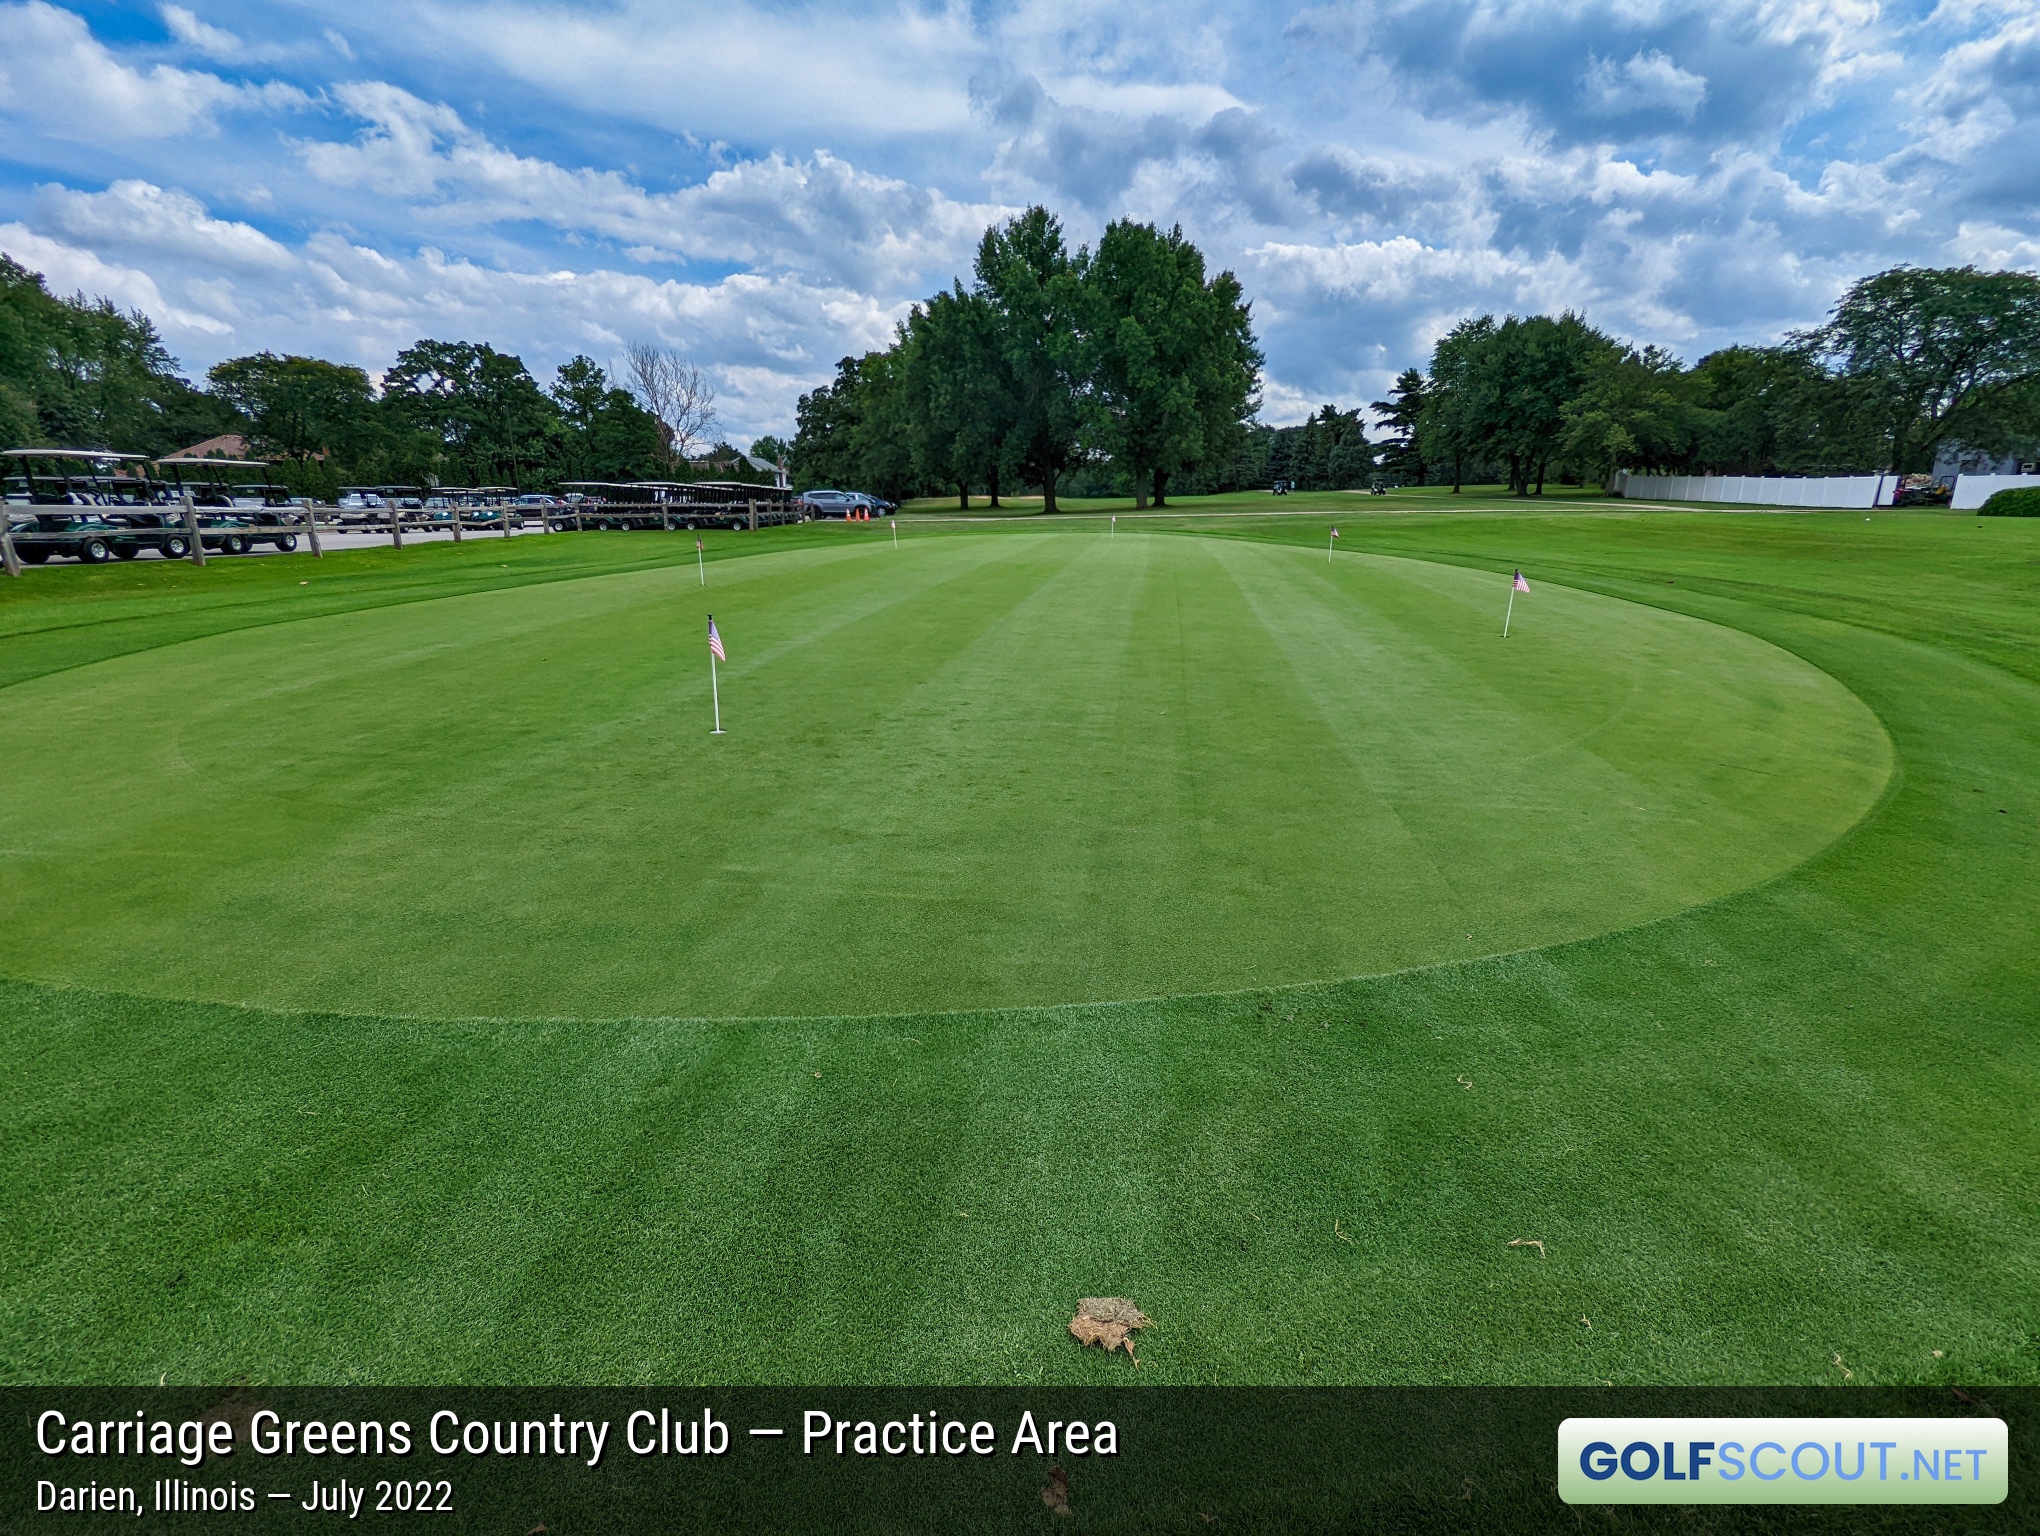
57, 77
730, 70
201, 37
218, 288
71, 269
1646, 82
768, 185
142, 219
821, 214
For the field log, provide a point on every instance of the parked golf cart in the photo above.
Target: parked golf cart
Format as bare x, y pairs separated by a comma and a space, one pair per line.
86, 536
1922, 491
360, 506
75, 503
234, 515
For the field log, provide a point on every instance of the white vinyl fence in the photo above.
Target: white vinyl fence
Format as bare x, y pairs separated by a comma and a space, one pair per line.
1764, 490
1972, 491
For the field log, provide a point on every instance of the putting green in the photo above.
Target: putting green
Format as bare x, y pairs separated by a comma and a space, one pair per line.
981, 770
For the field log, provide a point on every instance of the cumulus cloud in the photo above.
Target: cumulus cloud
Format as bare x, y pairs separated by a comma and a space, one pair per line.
140, 219
820, 214
218, 287
1645, 82
60, 81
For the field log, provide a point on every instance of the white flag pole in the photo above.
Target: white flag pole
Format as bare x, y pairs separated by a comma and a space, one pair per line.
1330, 543
895, 533
1511, 613
700, 563
715, 692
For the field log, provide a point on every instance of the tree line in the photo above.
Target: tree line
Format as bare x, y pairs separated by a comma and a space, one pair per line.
1051, 363
79, 372
1910, 361
1124, 369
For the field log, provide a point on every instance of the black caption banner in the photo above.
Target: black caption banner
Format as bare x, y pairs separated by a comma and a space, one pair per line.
566, 1461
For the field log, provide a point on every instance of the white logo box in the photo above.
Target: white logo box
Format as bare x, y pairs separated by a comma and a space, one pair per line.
1783, 1461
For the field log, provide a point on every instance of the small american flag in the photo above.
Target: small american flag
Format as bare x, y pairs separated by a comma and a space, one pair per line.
1521, 584
1335, 533
715, 641
697, 546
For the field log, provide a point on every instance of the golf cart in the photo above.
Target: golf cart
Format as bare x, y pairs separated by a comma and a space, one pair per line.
234, 515
1922, 491
73, 502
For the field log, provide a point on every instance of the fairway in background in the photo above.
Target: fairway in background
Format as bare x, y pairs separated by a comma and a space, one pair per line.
993, 769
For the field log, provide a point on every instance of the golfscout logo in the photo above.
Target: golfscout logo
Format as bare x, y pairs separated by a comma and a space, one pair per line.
1782, 1461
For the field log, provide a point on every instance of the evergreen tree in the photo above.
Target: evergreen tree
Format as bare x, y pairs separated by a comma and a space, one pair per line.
1403, 454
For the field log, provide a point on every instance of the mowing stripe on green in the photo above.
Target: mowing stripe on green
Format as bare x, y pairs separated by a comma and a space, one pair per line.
986, 771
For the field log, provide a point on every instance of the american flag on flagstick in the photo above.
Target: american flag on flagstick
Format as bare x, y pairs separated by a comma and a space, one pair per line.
715, 641
1521, 584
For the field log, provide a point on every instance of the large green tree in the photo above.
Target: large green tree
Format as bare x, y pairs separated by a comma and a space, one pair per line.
603, 433
853, 432
1500, 391
1933, 355
482, 409
961, 402
1462, 398
1629, 413
1033, 288
80, 372
1171, 360
304, 413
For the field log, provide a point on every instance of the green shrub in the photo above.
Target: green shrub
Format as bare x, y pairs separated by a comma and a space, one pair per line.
2024, 502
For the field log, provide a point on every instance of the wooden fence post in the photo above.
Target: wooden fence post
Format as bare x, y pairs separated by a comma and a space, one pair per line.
456, 522
312, 527
754, 514
9, 560
191, 531
396, 527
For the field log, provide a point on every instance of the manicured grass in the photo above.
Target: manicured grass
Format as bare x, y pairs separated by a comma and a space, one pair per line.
1788, 1123
973, 771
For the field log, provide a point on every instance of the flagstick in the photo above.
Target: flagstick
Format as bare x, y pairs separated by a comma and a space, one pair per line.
701, 564
1330, 544
895, 533
715, 692
1511, 613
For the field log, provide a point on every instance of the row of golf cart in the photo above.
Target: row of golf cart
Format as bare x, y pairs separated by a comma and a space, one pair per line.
668, 504
424, 509
94, 506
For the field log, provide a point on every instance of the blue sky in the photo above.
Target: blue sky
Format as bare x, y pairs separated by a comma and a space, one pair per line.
767, 186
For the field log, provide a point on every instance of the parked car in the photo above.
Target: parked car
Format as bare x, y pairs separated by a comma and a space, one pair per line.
825, 503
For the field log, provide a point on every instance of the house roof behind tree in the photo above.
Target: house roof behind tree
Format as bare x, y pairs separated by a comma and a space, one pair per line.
230, 446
